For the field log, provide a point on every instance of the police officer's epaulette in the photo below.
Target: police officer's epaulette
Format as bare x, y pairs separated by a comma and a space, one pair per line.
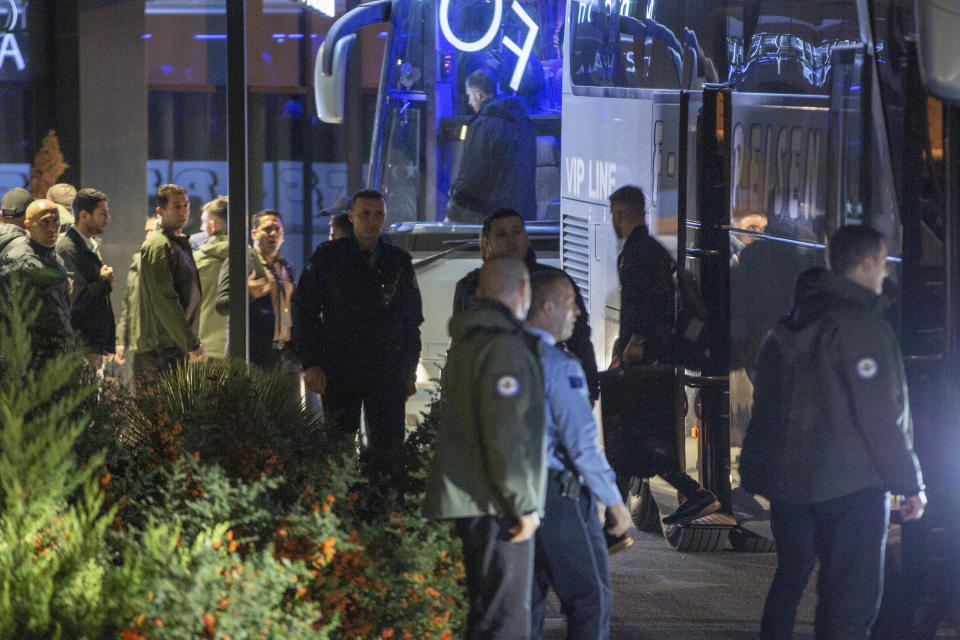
570, 354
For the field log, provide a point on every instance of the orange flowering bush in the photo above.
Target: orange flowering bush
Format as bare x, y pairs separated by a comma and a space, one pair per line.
354, 556
204, 507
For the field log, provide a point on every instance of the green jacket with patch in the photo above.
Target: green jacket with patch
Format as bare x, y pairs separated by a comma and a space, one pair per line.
831, 414
490, 455
213, 326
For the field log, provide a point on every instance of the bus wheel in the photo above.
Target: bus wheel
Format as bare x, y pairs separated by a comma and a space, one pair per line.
643, 508
746, 541
702, 539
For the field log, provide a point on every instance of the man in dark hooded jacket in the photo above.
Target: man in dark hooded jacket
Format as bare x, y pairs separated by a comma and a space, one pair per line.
499, 156
829, 437
32, 257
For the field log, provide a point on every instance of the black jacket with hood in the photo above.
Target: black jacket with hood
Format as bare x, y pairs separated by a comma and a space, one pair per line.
44, 273
831, 414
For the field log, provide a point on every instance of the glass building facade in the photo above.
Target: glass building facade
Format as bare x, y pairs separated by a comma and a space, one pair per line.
136, 93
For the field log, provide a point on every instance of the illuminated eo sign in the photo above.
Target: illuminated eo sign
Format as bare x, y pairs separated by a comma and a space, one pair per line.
326, 7
522, 52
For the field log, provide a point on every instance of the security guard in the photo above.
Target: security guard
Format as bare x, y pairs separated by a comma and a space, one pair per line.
356, 328
571, 552
489, 469
829, 437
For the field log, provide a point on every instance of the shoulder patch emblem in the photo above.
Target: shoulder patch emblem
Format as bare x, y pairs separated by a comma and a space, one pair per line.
867, 368
576, 382
507, 386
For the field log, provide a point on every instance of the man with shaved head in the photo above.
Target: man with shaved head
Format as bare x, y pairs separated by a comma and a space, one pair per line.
489, 472
32, 257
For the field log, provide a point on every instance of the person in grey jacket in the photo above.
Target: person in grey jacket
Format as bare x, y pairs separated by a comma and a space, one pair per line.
829, 437
489, 472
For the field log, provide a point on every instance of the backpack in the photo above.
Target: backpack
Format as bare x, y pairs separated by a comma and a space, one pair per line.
690, 327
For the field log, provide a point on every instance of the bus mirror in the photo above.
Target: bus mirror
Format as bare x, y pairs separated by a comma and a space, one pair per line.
330, 90
938, 23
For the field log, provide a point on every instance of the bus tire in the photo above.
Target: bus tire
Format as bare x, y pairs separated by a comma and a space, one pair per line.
696, 539
643, 508
747, 542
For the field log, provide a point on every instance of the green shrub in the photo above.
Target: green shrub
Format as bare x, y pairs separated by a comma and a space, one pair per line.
230, 519
51, 525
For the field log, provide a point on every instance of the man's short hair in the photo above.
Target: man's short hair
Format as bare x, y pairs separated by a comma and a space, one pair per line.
498, 214
482, 81
544, 285
167, 190
369, 194
850, 244
62, 194
500, 277
263, 213
217, 208
632, 198
15, 202
341, 221
87, 200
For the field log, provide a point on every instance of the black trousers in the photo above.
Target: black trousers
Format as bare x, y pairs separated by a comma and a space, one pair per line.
157, 361
499, 577
383, 396
847, 536
571, 556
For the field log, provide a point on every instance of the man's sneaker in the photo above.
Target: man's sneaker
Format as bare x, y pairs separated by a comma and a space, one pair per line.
700, 504
616, 545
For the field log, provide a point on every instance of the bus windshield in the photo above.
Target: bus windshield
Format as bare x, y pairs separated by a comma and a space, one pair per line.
422, 145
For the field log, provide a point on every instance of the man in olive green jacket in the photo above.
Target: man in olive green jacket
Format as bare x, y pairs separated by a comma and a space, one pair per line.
489, 472
209, 258
169, 289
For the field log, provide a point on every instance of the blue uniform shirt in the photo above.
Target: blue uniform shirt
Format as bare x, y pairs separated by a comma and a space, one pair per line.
570, 420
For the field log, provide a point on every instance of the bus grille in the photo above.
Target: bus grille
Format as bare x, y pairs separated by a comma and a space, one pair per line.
575, 252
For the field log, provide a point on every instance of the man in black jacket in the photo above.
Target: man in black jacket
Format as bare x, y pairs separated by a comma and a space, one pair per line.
829, 437
499, 159
91, 313
647, 310
356, 329
505, 235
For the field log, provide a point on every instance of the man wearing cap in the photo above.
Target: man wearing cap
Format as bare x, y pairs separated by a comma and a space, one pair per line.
14, 207
63, 194
91, 313
32, 256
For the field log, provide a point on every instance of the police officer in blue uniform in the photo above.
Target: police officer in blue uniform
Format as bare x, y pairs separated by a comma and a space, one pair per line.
571, 551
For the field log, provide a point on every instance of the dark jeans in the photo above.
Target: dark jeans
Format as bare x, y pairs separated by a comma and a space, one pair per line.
383, 398
848, 536
499, 577
157, 361
571, 556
